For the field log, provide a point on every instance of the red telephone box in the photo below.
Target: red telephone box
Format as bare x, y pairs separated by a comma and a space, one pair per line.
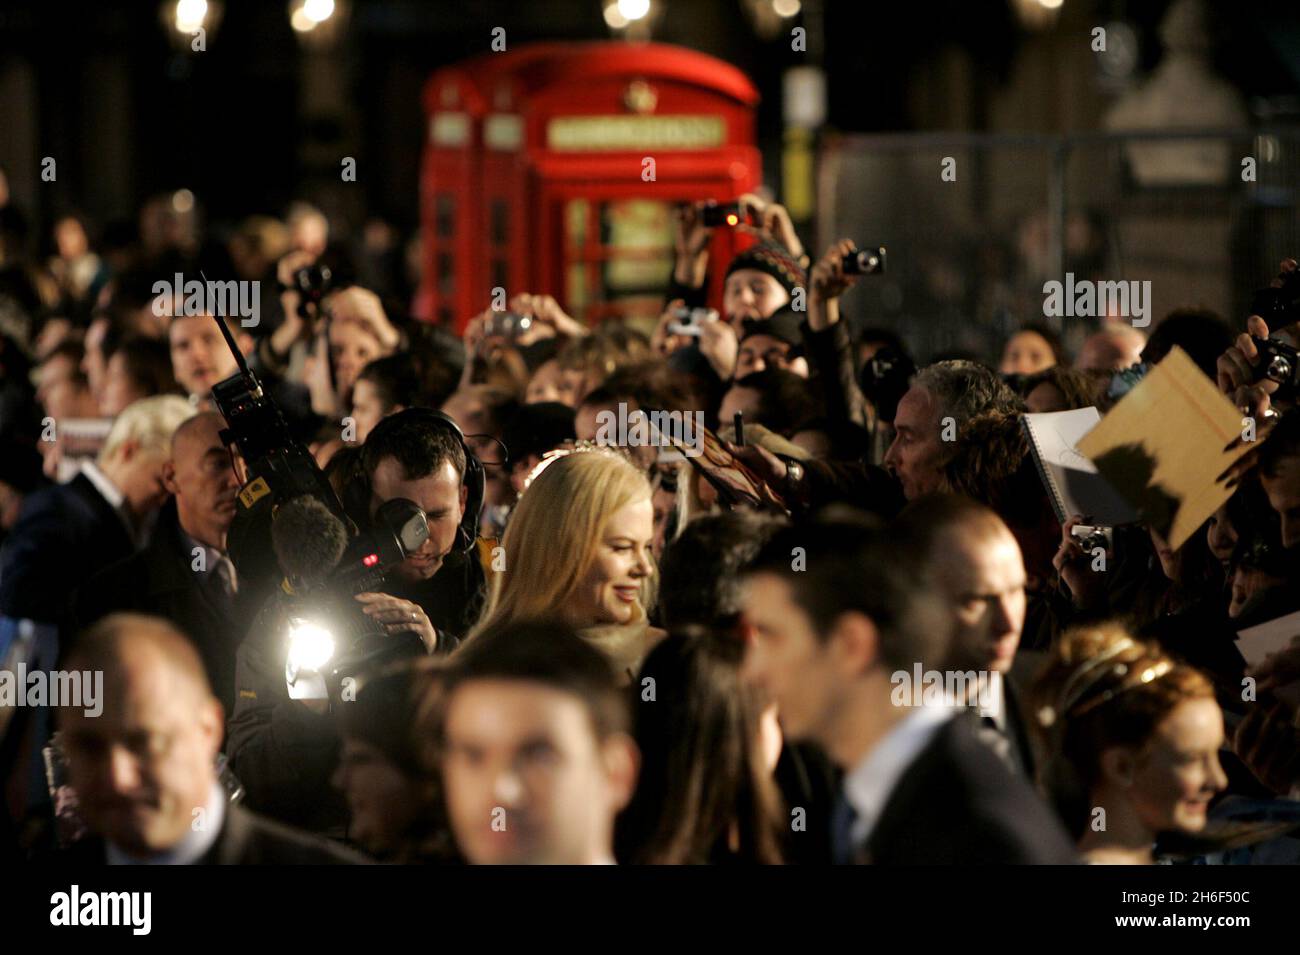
554, 168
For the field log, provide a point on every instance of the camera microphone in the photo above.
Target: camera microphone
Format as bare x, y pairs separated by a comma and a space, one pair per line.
309, 541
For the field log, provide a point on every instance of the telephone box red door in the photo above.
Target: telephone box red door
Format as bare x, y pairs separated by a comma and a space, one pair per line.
574, 164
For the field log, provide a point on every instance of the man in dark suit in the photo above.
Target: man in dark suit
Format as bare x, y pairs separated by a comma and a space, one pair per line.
157, 804
67, 533
976, 568
64, 535
184, 573
838, 621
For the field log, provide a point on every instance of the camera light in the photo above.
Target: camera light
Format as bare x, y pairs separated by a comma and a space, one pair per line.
370, 560
310, 646
732, 219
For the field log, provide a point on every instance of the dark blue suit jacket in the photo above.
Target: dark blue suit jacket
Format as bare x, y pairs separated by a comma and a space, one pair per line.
64, 535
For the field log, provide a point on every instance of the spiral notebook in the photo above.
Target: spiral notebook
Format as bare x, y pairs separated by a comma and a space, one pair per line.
1071, 479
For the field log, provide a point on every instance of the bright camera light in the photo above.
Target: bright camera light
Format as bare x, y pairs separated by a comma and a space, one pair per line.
310, 646
190, 15
633, 9
1051, 4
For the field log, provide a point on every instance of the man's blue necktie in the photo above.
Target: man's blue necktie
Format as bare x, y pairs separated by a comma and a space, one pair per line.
843, 816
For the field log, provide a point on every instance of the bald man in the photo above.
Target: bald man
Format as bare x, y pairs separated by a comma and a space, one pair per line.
184, 573
976, 567
144, 769
1111, 349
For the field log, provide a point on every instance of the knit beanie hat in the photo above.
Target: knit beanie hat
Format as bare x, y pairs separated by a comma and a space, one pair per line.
774, 259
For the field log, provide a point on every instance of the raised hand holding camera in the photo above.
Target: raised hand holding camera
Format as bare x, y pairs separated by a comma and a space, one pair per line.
830, 279
768, 220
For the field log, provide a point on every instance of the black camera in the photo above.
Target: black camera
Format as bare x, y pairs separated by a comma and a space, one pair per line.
1279, 307
1089, 538
884, 380
277, 464
507, 324
313, 283
722, 213
328, 634
278, 469
865, 262
1278, 362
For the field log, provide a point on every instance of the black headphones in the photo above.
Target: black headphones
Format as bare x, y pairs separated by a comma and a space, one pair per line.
357, 503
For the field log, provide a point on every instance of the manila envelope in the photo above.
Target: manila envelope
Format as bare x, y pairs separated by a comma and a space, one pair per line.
1163, 447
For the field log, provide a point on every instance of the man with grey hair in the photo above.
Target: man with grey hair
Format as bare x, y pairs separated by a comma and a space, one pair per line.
943, 397
69, 532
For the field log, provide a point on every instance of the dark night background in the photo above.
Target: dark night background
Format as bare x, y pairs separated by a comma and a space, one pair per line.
103, 89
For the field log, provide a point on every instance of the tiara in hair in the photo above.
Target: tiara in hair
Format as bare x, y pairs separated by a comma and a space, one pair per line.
577, 447
1096, 670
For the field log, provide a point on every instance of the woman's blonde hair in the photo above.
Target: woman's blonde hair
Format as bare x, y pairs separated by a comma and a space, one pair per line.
551, 540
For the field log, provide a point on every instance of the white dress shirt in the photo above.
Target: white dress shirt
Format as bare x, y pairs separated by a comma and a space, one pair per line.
868, 785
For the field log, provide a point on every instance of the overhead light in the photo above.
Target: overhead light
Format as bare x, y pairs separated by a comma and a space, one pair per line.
614, 18
318, 11
191, 24
786, 8
632, 19
190, 15
318, 23
633, 9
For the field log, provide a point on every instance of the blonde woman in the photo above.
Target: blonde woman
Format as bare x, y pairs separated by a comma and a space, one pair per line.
578, 549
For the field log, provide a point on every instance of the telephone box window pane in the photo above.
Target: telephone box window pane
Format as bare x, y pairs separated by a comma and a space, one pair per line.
444, 212
639, 233
500, 216
500, 273
575, 222
446, 275
576, 288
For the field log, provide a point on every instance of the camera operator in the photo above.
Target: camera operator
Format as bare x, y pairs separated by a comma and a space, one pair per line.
285, 750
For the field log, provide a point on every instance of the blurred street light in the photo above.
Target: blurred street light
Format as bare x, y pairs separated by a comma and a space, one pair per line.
191, 24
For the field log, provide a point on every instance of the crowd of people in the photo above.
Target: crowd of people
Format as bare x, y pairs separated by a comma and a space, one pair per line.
603, 650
